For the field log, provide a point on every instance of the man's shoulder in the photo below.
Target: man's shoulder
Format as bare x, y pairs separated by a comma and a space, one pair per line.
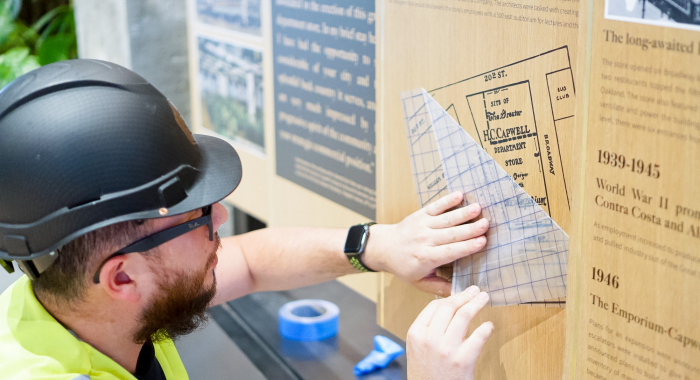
21, 340
11, 299
18, 306
36, 346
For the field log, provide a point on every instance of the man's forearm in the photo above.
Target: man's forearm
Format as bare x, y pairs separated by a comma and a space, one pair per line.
284, 258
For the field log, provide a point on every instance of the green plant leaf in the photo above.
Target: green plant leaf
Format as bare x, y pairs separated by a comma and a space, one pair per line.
52, 38
49, 16
56, 48
6, 27
15, 34
15, 55
12, 7
15, 62
59, 20
66, 22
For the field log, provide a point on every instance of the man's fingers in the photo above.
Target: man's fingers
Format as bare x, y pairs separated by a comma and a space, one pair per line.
471, 348
460, 322
447, 309
427, 314
450, 252
445, 203
455, 217
435, 285
461, 233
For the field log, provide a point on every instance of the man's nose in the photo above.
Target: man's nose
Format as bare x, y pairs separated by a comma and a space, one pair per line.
219, 215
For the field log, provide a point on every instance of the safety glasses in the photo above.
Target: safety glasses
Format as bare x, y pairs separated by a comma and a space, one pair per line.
152, 241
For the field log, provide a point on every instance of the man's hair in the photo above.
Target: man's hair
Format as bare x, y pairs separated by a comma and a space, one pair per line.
67, 279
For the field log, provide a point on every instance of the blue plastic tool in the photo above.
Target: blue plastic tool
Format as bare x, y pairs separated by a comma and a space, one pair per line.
385, 351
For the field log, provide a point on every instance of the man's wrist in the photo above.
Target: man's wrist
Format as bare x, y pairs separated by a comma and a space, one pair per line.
373, 256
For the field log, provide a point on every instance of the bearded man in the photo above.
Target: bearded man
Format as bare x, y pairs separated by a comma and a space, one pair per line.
109, 205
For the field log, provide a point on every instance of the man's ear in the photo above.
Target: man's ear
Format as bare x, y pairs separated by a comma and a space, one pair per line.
116, 281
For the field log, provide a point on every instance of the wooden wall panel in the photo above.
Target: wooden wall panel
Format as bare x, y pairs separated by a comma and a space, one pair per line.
640, 101
292, 205
430, 44
575, 257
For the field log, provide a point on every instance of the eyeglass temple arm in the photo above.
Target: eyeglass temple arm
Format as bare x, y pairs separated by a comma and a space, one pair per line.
157, 239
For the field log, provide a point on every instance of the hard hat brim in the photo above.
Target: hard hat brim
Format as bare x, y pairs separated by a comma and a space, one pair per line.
221, 173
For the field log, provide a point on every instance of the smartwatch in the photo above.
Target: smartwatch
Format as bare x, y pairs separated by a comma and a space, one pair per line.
355, 245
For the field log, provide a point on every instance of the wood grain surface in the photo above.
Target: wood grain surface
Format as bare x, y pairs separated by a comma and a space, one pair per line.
431, 44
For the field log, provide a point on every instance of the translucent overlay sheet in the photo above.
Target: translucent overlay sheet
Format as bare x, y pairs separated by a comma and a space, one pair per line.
525, 258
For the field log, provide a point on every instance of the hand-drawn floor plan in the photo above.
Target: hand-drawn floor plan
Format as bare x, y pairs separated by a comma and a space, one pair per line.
515, 112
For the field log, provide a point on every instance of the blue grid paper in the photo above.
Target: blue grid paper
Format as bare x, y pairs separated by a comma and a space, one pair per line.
525, 258
425, 159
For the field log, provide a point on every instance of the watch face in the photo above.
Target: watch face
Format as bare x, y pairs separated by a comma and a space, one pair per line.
354, 241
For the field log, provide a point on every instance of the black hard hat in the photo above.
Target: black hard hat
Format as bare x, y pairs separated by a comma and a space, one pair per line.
85, 144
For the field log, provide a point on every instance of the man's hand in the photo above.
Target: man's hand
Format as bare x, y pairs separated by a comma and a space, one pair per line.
436, 348
425, 240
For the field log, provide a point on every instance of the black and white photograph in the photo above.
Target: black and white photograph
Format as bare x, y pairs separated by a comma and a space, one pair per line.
681, 14
236, 15
231, 91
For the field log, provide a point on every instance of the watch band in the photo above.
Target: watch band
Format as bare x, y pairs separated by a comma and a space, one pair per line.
355, 245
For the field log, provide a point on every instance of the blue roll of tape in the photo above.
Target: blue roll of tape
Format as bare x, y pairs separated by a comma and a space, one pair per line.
308, 320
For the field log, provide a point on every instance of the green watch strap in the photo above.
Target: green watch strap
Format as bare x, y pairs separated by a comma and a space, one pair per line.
355, 256
359, 265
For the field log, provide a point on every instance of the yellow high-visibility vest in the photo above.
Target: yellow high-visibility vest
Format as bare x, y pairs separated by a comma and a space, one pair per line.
33, 345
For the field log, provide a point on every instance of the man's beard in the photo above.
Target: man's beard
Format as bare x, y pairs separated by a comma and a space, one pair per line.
179, 307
